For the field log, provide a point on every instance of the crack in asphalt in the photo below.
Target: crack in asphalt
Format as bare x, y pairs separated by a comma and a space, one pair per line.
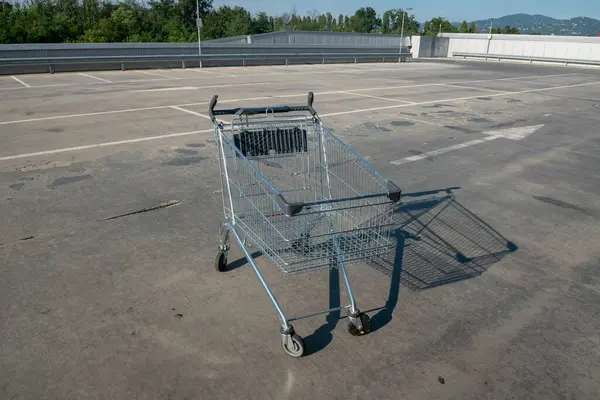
159, 206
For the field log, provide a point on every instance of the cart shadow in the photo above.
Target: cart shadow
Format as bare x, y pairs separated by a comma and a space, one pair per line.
240, 262
323, 335
438, 241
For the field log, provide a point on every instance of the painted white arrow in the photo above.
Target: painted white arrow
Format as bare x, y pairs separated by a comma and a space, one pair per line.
519, 133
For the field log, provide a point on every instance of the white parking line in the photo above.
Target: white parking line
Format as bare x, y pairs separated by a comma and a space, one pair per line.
20, 81
378, 97
330, 114
522, 77
208, 72
442, 151
536, 83
190, 112
167, 89
126, 110
200, 87
135, 81
94, 77
105, 144
471, 87
42, 86
82, 115
304, 95
155, 74
457, 99
421, 121
182, 105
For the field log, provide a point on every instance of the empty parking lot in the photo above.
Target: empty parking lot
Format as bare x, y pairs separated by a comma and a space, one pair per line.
493, 290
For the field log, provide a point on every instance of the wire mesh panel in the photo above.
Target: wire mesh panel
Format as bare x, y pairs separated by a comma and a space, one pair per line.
342, 203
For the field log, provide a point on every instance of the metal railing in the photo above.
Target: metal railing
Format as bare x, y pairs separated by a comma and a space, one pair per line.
64, 64
530, 59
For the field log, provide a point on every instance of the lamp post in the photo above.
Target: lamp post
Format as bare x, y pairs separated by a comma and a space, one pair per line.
404, 10
199, 27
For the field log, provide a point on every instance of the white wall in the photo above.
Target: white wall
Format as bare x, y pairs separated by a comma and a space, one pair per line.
475, 43
428, 46
567, 47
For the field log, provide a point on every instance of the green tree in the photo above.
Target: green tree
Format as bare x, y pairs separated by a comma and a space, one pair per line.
294, 22
322, 23
7, 21
125, 23
365, 20
271, 24
89, 13
260, 24
240, 23
187, 11
44, 21
507, 30
473, 28
394, 22
39, 23
226, 21
347, 24
433, 27
464, 28
329, 21
385, 22
162, 23
510, 30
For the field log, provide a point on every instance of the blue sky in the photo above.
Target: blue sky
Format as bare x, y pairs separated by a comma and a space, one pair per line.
454, 10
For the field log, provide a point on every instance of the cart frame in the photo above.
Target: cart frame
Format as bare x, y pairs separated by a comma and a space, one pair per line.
352, 221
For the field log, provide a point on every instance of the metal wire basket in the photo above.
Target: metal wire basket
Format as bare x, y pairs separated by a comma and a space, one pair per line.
298, 193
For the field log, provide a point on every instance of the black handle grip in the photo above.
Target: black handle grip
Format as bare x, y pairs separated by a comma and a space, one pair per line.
259, 110
394, 192
311, 97
211, 107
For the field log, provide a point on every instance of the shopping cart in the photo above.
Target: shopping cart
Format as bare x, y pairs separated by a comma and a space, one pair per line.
300, 195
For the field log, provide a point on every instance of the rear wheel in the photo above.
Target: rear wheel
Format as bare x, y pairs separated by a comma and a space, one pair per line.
294, 346
365, 321
221, 261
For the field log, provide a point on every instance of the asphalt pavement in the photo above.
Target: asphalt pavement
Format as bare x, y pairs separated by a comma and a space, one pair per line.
110, 201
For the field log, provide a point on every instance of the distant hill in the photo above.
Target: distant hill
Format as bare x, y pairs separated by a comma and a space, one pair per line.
541, 24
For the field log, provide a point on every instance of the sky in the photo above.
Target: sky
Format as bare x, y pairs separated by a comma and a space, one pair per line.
454, 10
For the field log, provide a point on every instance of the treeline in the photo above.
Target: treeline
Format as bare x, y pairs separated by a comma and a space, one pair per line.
507, 30
437, 25
59, 21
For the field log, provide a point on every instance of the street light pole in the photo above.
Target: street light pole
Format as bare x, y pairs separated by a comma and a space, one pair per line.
404, 10
402, 30
198, 27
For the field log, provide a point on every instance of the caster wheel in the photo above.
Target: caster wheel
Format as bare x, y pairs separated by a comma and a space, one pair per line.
221, 262
294, 346
366, 326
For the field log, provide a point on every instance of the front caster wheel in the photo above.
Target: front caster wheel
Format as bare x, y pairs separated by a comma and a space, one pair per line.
359, 325
221, 262
293, 345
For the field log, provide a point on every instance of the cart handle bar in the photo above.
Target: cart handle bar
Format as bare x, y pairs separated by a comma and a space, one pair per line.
259, 110
291, 209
